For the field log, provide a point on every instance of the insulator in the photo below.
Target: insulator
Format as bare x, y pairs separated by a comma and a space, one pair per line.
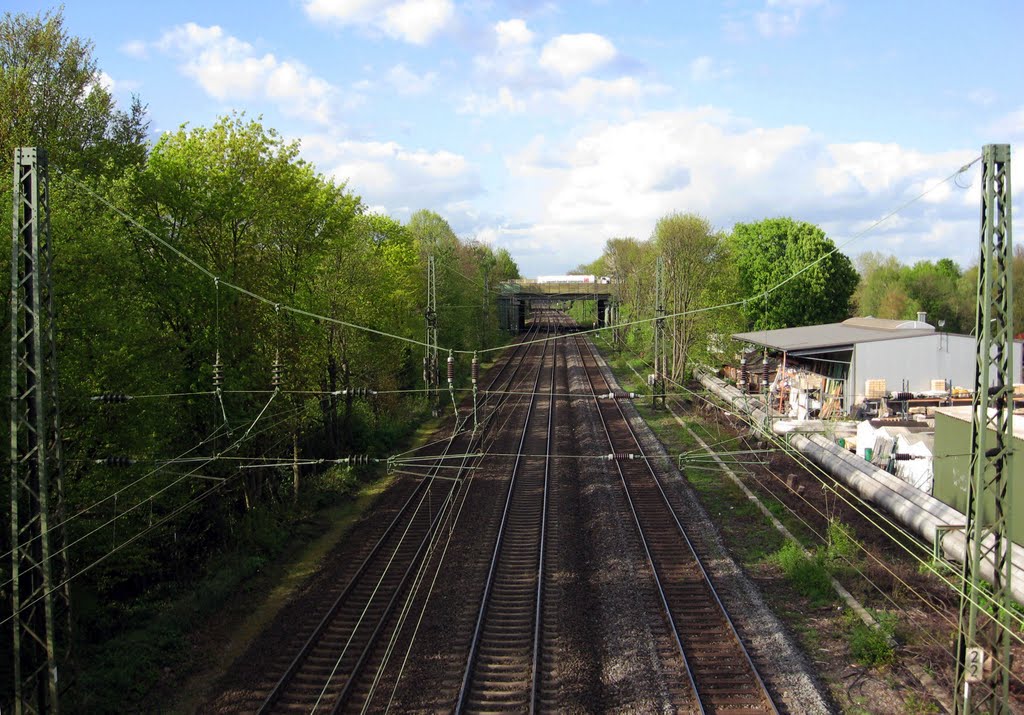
906, 457
902, 396
451, 370
359, 392
474, 369
277, 371
218, 372
356, 460
426, 370
116, 461
110, 398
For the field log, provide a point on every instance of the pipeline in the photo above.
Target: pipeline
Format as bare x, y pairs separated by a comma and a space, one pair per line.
921, 513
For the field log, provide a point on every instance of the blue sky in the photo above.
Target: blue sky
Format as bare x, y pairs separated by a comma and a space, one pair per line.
548, 127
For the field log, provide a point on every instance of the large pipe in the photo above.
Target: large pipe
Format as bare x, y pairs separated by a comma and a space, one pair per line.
919, 512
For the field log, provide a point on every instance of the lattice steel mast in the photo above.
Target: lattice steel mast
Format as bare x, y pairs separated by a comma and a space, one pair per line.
983, 641
660, 361
430, 364
35, 443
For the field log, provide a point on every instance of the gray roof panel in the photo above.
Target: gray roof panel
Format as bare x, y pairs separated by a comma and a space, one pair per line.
832, 335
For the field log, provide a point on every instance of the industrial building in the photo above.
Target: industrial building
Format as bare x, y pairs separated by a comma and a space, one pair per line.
866, 358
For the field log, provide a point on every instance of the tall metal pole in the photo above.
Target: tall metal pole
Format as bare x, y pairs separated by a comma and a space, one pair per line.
430, 365
658, 388
35, 441
983, 641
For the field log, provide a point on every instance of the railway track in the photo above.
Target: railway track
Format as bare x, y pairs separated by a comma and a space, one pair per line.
721, 674
342, 652
502, 671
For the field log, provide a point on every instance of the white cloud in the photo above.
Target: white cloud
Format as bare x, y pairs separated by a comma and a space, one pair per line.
1010, 125
617, 179
586, 92
514, 56
782, 18
343, 11
414, 21
230, 69
417, 21
583, 95
136, 49
505, 102
392, 175
706, 69
983, 96
513, 33
405, 81
573, 55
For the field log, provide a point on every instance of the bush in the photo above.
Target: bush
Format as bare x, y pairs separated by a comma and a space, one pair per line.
808, 575
842, 547
872, 646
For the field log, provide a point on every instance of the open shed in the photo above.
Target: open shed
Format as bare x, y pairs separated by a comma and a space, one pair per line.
908, 355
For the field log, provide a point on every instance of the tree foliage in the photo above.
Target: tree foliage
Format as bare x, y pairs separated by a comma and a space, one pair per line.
699, 274
52, 95
890, 289
817, 282
135, 318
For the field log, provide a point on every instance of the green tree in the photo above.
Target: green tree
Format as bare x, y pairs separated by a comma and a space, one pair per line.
816, 282
889, 289
699, 274
52, 96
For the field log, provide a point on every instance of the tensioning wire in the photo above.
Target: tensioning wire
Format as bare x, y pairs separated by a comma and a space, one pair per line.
869, 512
768, 291
315, 316
139, 534
798, 458
233, 286
147, 475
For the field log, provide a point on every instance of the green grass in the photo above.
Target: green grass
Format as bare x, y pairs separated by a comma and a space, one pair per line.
807, 574
872, 646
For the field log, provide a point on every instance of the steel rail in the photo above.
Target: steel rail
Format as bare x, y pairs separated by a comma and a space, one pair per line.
682, 532
643, 539
398, 519
350, 683
492, 570
538, 613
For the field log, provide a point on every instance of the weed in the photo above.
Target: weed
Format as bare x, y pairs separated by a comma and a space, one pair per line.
872, 646
916, 705
808, 575
841, 544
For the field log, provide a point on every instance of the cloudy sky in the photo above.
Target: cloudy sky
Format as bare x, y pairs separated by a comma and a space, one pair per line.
548, 127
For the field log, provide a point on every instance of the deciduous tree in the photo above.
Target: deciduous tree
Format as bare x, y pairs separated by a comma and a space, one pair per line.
790, 274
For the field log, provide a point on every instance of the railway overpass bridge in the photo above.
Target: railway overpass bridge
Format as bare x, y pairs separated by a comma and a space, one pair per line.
519, 297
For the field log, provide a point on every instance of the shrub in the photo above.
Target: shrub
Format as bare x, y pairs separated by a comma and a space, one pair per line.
872, 646
808, 575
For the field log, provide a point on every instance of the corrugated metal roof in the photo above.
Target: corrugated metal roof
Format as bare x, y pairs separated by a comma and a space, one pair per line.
836, 335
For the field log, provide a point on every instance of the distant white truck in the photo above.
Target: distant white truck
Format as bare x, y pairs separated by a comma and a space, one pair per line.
574, 279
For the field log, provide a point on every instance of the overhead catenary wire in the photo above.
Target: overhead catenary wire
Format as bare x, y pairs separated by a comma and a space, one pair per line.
798, 458
135, 537
867, 511
277, 305
152, 496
